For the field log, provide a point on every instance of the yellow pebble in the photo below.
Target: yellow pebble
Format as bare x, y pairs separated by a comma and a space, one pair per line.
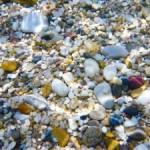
61, 135
128, 63
27, 2
9, 66
110, 134
24, 108
102, 64
46, 90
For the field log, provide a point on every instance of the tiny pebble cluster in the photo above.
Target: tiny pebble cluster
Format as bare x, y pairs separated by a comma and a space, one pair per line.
74, 75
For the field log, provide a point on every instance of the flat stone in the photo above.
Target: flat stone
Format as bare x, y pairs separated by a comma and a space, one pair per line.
60, 88
116, 91
9, 66
103, 93
109, 72
98, 114
11, 146
131, 111
91, 67
36, 100
25, 2
92, 136
36, 25
19, 116
61, 135
137, 134
115, 52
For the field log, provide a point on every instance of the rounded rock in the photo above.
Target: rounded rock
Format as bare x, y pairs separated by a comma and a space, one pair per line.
60, 87
91, 67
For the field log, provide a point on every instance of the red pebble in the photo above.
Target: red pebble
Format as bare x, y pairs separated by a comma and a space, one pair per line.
136, 82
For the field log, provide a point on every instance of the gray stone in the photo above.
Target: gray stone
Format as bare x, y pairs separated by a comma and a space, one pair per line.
103, 93
91, 67
34, 22
115, 52
36, 100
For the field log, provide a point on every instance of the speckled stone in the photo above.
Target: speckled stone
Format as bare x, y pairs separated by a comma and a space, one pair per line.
92, 136
9, 66
24, 108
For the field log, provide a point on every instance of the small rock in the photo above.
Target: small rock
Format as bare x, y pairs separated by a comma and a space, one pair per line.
92, 136
60, 87
68, 77
19, 116
125, 83
111, 144
137, 134
135, 82
25, 2
131, 111
110, 134
115, 52
144, 98
94, 123
11, 146
72, 124
36, 100
130, 122
9, 66
116, 91
28, 67
137, 92
61, 135
115, 120
1, 72
15, 134
140, 147
91, 67
98, 114
36, 25
24, 108
147, 71
120, 100
110, 72
92, 46
46, 90
103, 93
117, 81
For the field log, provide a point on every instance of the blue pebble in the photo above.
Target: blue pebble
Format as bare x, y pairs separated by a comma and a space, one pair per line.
35, 59
86, 55
115, 120
83, 117
125, 83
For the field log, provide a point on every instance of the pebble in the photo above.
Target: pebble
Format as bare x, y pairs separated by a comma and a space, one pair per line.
9, 66
27, 2
103, 93
36, 100
115, 120
72, 124
135, 82
115, 52
125, 83
61, 135
116, 91
144, 98
92, 46
98, 114
40, 22
140, 147
94, 123
11, 145
117, 81
91, 68
1, 72
131, 111
68, 77
137, 134
92, 136
147, 71
60, 88
19, 116
130, 123
137, 92
111, 144
46, 90
24, 108
109, 72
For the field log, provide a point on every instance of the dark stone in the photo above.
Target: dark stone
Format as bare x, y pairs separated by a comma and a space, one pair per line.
47, 37
115, 120
83, 117
131, 111
35, 59
135, 82
48, 136
86, 55
116, 90
15, 134
125, 83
